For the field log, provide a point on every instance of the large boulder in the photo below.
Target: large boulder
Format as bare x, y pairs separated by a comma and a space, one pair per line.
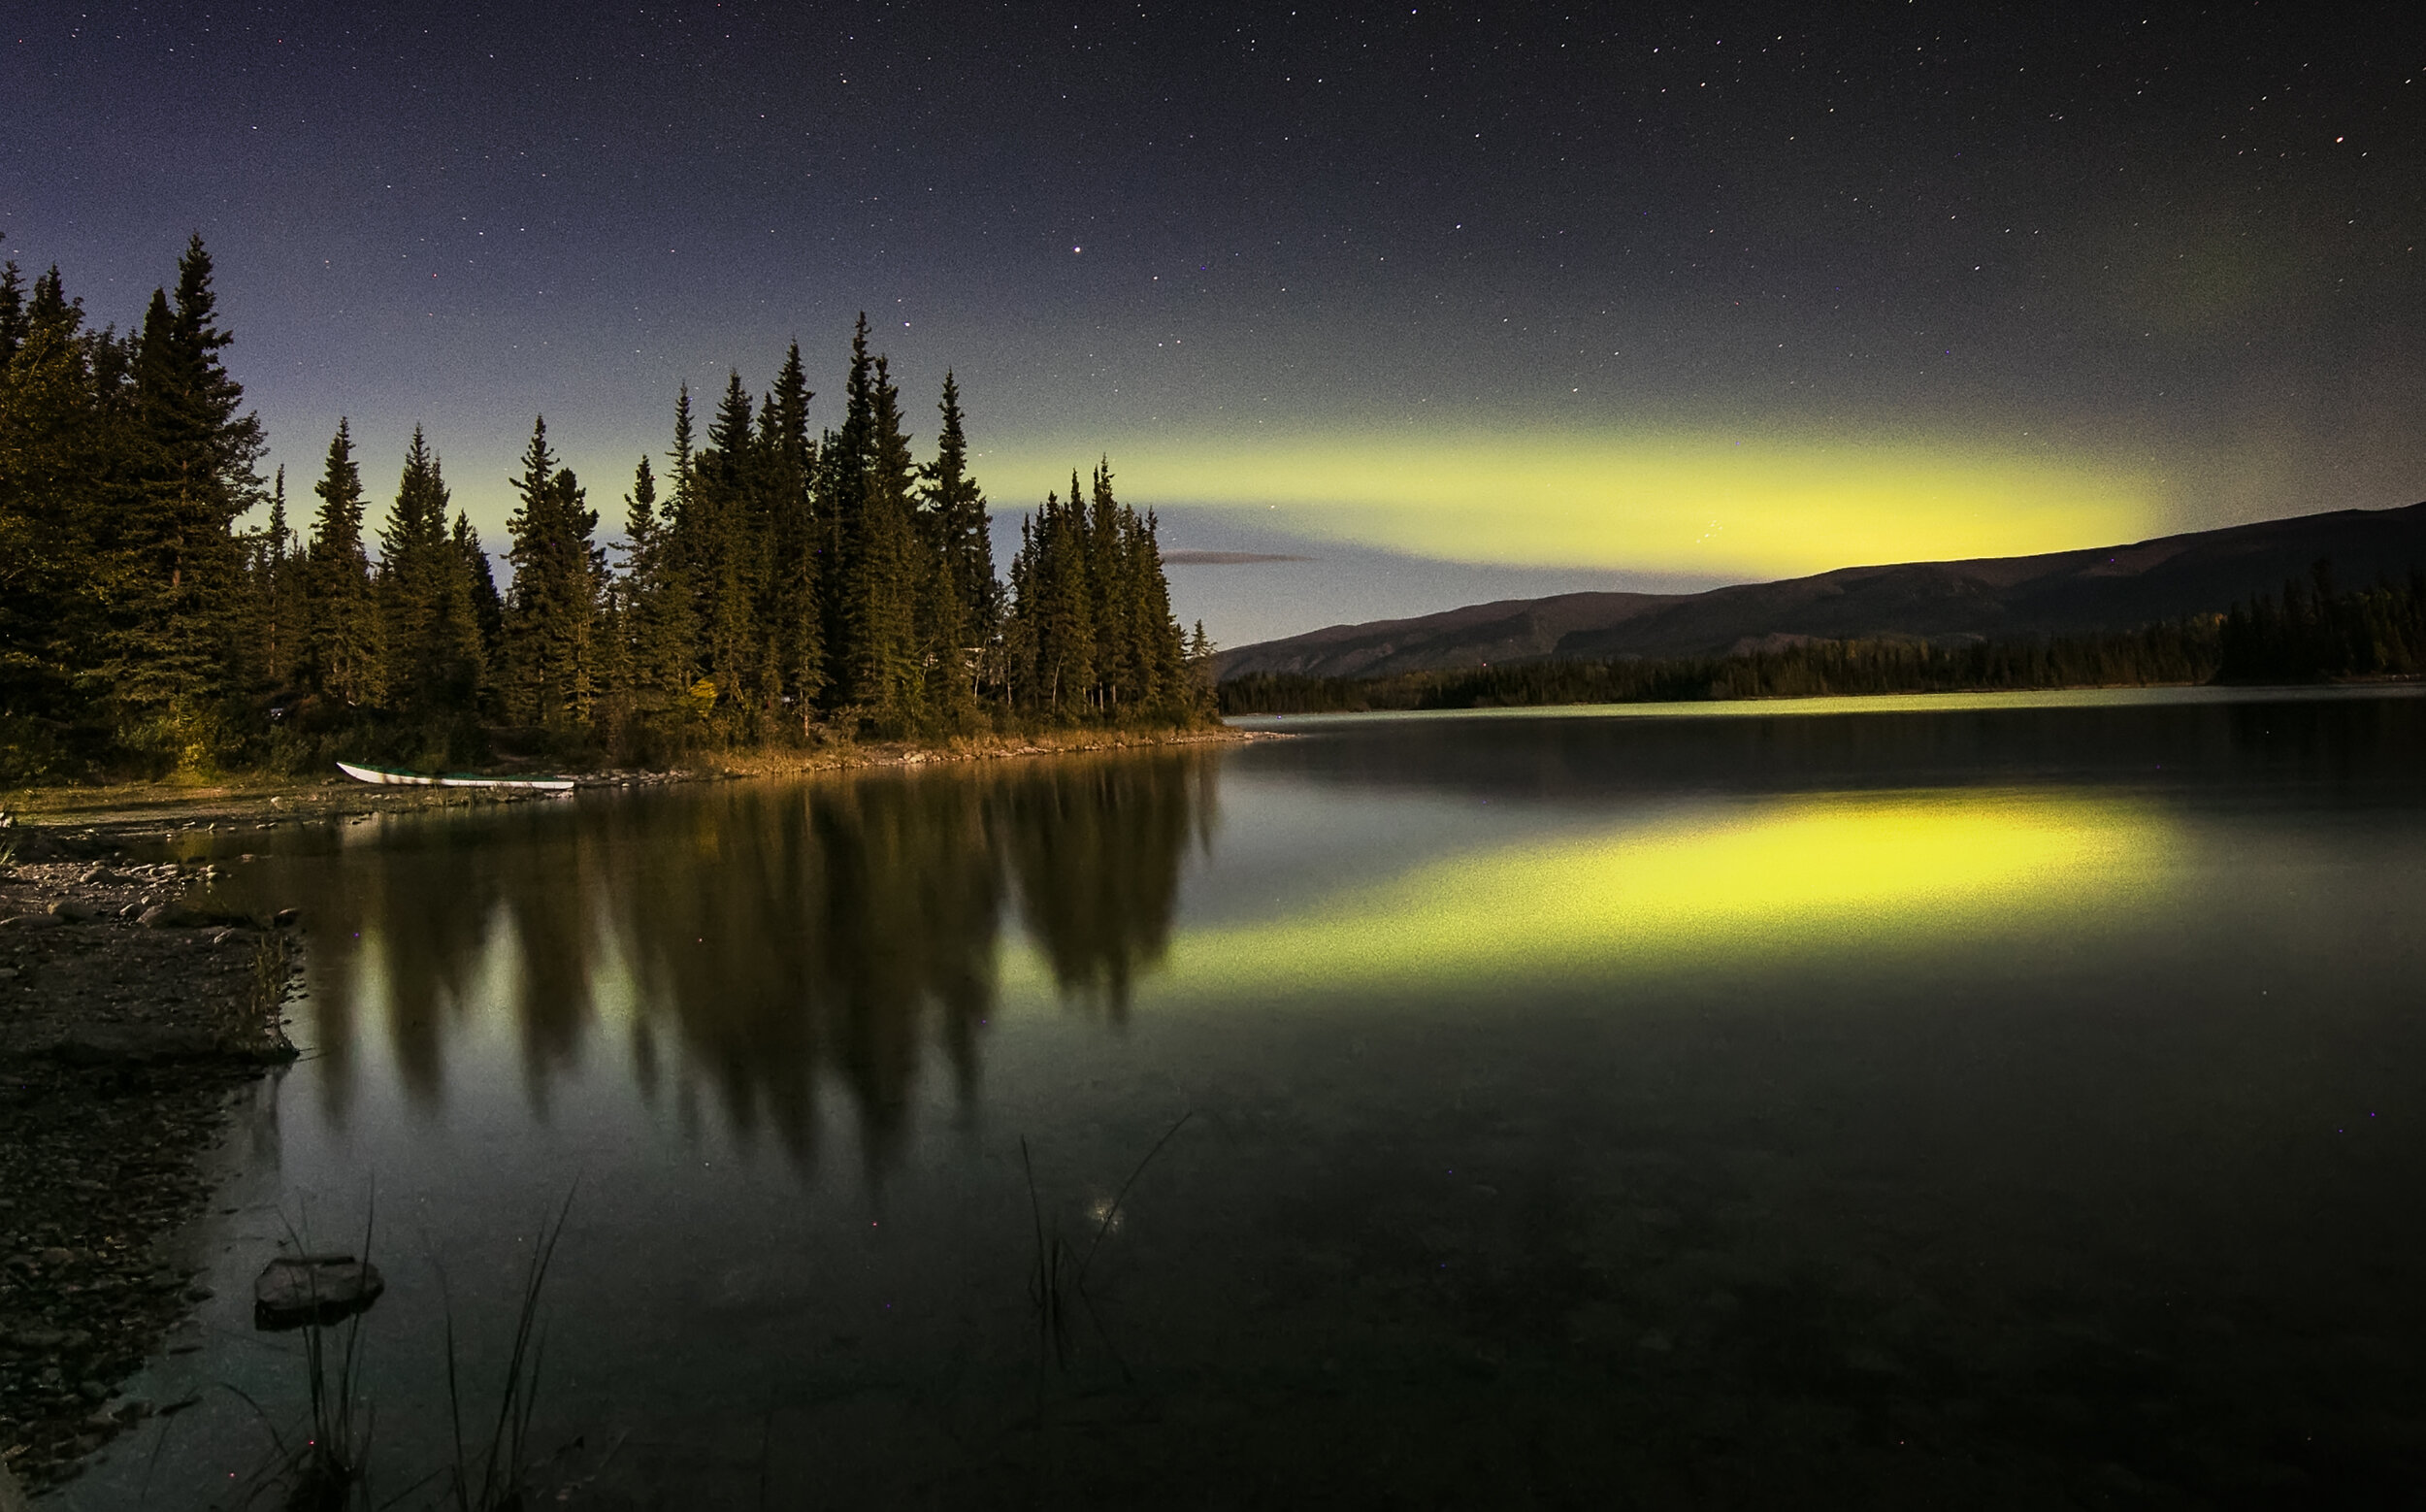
296, 1290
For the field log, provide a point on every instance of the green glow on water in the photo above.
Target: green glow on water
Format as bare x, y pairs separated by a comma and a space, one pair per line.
1803, 877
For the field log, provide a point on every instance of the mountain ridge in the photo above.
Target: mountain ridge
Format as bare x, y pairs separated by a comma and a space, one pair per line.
2082, 591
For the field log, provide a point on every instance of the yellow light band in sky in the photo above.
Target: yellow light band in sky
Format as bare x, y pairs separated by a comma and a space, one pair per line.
1681, 504
1806, 878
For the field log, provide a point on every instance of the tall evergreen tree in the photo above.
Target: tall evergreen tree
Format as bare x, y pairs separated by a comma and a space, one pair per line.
488, 606
342, 653
955, 512
835, 503
551, 619
652, 606
192, 457
282, 596
729, 561
417, 568
56, 445
794, 616
884, 570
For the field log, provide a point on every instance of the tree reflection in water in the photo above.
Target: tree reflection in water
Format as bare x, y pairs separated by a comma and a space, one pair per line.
776, 938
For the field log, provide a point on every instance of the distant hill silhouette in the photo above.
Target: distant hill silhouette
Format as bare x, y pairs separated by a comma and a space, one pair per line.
1995, 598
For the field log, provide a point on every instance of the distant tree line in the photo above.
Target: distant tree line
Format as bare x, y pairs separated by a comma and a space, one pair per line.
774, 586
2307, 633
2174, 652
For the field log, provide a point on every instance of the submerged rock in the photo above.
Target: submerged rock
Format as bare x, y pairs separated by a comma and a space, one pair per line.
293, 1290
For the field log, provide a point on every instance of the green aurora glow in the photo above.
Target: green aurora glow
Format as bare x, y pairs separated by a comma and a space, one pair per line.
1679, 503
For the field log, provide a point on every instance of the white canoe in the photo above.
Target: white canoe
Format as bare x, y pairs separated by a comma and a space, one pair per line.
390, 775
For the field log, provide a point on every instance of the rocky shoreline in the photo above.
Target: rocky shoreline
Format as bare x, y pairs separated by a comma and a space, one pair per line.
127, 1022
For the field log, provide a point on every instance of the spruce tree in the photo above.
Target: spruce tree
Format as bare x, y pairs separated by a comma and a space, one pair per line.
1089, 629
794, 615
55, 444
191, 455
342, 652
416, 559
955, 512
551, 619
883, 571
835, 503
488, 607
653, 654
1172, 690
281, 593
729, 562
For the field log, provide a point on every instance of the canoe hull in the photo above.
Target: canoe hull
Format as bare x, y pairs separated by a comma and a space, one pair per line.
389, 776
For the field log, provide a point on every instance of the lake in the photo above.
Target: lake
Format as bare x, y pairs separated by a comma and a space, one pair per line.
2008, 1100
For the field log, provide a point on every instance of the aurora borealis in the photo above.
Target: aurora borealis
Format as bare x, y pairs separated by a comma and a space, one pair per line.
1597, 296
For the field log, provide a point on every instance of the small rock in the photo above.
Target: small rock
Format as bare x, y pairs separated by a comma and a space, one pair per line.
72, 909
287, 918
92, 1390
33, 921
199, 1292
291, 1292
55, 1256
154, 917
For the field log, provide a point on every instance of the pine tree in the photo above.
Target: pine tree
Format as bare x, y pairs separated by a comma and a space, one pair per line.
955, 513
192, 453
836, 503
794, 616
416, 560
883, 571
343, 654
55, 440
1089, 630
653, 609
488, 607
282, 594
1172, 691
1052, 630
551, 619
722, 503
1202, 671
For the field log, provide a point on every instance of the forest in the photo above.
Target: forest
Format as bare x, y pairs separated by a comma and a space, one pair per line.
2307, 632
165, 608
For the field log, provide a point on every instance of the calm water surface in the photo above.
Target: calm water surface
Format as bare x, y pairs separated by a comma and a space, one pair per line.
2011, 1101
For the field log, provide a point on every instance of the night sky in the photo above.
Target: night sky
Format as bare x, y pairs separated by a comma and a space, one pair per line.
1457, 303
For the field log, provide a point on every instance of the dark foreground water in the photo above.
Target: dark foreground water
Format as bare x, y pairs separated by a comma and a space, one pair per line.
2013, 1102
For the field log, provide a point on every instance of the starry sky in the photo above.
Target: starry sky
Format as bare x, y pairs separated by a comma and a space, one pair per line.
1451, 302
